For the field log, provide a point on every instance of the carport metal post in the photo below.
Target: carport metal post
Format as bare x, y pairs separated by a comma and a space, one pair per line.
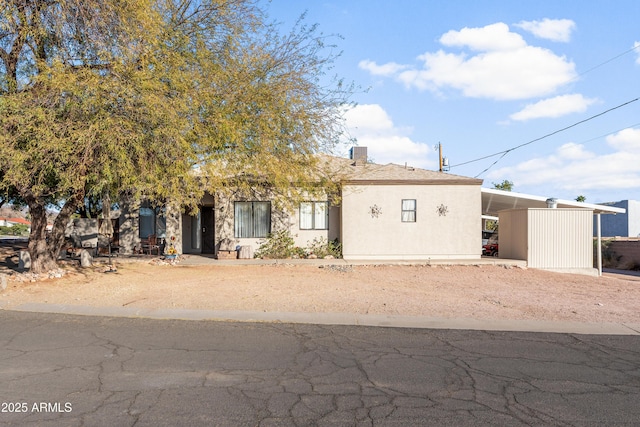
599, 244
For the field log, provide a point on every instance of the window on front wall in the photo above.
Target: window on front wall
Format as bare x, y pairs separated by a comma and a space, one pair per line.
152, 222
408, 210
314, 216
252, 219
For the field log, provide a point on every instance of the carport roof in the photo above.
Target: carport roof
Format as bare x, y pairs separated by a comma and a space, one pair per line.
494, 201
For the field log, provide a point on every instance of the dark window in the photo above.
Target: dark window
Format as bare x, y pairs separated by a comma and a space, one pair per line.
152, 222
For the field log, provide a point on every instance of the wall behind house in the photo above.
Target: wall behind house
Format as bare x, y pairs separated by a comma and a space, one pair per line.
624, 225
618, 224
633, 212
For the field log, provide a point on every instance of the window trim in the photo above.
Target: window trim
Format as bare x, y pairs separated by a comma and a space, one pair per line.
313, 216
413, 211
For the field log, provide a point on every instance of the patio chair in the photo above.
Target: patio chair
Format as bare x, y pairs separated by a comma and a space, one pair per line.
151, 244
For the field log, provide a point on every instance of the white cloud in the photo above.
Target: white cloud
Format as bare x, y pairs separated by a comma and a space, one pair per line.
636, 46
626, 140
572, 151
373, 128
558, 30
493, 37
575, 170
504, 67
554, 107
368, 118
386, 70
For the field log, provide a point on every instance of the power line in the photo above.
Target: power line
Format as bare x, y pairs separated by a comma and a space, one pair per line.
635, 47
609, 133
505, 152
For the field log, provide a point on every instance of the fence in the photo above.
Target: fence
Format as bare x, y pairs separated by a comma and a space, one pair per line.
621, 252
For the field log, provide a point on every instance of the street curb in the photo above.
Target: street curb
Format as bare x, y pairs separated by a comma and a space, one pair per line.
349, 319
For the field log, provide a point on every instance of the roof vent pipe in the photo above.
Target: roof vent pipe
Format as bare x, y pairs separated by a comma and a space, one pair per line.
552, 203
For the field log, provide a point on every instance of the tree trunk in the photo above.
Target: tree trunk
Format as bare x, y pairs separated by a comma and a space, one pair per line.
42, 260
44, 247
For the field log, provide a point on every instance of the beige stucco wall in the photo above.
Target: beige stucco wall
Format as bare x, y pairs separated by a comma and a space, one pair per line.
303, 238
455, 234
513, 238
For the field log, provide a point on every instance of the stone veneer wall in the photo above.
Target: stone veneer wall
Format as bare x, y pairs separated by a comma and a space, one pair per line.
174, 227
129, 238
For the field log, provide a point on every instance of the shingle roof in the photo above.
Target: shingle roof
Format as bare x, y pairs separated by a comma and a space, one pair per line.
392, 174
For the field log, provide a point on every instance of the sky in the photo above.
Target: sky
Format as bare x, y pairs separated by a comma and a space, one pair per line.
552, 86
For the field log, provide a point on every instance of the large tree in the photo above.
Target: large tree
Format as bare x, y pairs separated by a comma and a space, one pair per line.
159, 99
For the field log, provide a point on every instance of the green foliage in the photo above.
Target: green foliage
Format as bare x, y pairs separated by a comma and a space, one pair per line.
321, 248
278, 245
491, 225
15, 230
610, 259
161, 100
581, 198
505, 185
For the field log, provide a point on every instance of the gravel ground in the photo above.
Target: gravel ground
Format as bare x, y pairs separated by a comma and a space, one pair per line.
477, 292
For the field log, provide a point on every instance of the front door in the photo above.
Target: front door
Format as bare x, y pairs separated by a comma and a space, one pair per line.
208, 230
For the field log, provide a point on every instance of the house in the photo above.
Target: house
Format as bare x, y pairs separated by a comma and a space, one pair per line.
10, 222
385, 212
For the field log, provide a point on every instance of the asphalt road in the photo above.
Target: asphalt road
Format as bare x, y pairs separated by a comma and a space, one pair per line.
58, 370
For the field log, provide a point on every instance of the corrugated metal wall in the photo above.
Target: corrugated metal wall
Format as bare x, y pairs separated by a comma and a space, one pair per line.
560, 238
557, 239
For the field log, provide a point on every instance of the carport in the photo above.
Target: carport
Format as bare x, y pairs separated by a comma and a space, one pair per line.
527, 218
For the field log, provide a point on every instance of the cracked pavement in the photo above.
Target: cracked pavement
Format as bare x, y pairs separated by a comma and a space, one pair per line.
93, 371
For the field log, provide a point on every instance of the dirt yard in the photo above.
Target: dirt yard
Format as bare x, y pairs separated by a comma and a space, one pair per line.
479, 292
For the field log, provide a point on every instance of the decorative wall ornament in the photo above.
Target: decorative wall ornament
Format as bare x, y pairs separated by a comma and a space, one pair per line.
442, 210
375, 211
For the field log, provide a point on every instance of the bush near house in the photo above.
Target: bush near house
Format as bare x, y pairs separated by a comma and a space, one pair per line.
620, 253
16, 230
321, 248
277, 245
280, 245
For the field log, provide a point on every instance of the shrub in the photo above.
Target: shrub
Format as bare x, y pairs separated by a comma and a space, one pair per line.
15, 230
277, 245
610, 259
320, 247
280, 245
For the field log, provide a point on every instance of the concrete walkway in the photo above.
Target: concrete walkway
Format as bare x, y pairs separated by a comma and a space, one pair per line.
210, 260
397, 321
